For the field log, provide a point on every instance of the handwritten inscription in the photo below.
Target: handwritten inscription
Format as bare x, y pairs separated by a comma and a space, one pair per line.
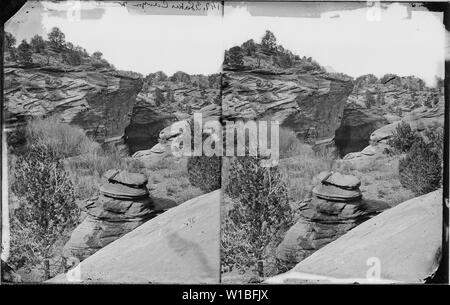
182, 5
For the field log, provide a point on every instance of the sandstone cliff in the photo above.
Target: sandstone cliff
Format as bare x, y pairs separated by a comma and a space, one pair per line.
94, 96
402, 245
262, 82
375, 103
110, 105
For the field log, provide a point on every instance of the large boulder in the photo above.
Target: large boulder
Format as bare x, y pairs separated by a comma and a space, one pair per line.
178, 246
402, 244
375, 103
170, 139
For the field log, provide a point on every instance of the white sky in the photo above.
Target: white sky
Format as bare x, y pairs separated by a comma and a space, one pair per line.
351, 44
354, 44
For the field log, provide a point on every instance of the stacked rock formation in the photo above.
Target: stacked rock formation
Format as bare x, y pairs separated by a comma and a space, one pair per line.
337, 206
123, 204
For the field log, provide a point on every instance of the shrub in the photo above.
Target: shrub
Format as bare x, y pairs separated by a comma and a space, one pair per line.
249, 47
37, 43
102, 63
72, 58
370, 100
403, 138
421, 169
97, 55
205, 172
24, 53
269, 42
48, 207
10, 41
57, 38
284, 60
180, 76
254, 224
235, 57
159, 97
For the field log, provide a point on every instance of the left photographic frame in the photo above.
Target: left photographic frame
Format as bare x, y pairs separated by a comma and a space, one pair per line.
95, 94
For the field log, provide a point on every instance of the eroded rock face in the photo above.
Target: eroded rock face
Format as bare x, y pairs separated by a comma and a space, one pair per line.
178, 246
405, 241
336, 208
300, 95
165, 100
376, 106
123, 205
357, 124
170, 138
419, 119
99, 100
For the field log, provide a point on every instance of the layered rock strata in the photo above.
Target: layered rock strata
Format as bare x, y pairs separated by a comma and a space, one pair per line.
336, 207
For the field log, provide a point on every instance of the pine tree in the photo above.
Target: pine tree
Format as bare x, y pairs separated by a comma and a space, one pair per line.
259, 217
24, 53
10, 41
57, 38
235, 57
37, 43
269, 42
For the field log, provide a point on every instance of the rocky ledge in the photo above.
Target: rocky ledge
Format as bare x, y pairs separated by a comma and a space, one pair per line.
99, 100
178, 246
400, 245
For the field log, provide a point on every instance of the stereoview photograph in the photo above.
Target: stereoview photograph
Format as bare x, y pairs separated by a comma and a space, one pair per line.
196, 142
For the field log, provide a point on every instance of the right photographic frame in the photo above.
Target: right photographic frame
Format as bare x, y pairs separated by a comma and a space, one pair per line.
335, 169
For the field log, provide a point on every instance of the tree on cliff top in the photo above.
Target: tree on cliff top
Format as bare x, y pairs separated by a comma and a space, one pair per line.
97, 55
249, 47
269, 42
37, 43
56, 37
10, 41
24, 53
235, 57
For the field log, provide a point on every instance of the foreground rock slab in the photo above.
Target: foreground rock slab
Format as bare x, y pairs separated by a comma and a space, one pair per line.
404, 242
178, 246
